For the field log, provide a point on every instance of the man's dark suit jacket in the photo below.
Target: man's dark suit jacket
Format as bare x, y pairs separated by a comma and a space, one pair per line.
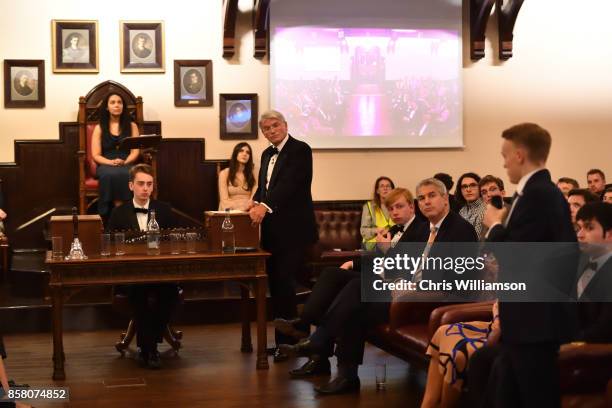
596, 305
418, 231
540, 215
292, 221
454, 228
124, 217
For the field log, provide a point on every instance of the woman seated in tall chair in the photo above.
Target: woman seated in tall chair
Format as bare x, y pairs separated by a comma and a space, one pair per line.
237, 184
113, 161
375, 215
4, 384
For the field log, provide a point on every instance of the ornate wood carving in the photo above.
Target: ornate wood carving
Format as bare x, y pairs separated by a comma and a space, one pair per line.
480, 10
229, 27
261, 27
507, 12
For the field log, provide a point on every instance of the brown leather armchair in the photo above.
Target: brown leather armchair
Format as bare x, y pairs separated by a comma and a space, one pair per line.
585, 369
88, 119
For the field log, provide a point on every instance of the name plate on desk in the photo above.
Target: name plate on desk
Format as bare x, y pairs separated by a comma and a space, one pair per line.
90, 228
245, 234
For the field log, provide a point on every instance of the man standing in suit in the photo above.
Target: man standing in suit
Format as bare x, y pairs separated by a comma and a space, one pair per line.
521, 371
153, 304
283, 206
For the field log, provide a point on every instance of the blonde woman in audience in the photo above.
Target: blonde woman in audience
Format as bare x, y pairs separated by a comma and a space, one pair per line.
375, 216
237, 184
472, 207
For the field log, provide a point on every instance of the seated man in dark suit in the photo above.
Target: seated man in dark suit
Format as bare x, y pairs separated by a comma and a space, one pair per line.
153, 304
335, 306
594, 278
347, 319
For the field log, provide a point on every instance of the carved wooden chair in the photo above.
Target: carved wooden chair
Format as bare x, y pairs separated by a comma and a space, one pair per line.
88, 118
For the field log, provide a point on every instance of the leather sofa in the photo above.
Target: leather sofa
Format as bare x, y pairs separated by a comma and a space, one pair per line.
585, 370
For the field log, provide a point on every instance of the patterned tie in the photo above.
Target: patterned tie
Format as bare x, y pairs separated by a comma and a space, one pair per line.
588, 273
433, 232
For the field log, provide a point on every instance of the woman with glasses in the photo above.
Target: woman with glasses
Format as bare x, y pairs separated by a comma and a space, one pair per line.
472, 207
375, 215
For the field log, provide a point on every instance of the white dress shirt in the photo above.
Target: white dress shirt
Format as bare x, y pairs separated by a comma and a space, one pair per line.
142, 217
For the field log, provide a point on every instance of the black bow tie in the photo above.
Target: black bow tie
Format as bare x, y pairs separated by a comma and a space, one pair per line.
273, 150
141, 210
395, 229
591, 265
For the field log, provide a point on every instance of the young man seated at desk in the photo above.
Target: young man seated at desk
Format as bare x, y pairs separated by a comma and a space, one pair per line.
152, 304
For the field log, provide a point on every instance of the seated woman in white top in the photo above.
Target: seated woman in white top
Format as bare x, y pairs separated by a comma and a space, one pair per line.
237, 183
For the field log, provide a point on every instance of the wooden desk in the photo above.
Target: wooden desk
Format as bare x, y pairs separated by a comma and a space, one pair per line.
137, 267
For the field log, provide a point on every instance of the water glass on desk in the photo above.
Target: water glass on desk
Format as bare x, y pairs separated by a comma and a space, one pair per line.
191, 238
105, 244
175, 243
57, 252
381, 376
119, 243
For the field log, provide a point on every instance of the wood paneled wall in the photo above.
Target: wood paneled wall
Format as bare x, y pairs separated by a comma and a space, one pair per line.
45, 173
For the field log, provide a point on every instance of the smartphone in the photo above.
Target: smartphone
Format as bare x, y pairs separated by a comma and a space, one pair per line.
497, 202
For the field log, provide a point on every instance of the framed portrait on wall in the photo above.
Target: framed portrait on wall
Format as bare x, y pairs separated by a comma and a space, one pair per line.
142, 46
238, 115
75, 45
24, 83
193, 83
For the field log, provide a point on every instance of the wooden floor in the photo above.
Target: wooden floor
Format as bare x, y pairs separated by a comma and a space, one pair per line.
210, 371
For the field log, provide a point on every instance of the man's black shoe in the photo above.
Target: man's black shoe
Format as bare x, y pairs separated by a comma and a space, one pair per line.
279, 356
339, 385
314, 366
302, 348
143, 358
154, 361
290, 328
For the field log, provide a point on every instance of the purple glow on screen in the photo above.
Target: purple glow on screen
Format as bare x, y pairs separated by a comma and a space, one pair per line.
339, 82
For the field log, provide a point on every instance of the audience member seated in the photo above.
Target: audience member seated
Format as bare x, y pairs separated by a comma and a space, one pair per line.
594, 280
375, 216
566, 184
336, 308
153, 304
578, 198
113, 161
447, 179
4, 382
491, 186
596, 180
450, 349
607, 196
237, 184
343, 319
472, 206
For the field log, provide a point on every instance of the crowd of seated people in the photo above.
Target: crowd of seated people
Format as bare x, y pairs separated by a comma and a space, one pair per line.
421, 104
